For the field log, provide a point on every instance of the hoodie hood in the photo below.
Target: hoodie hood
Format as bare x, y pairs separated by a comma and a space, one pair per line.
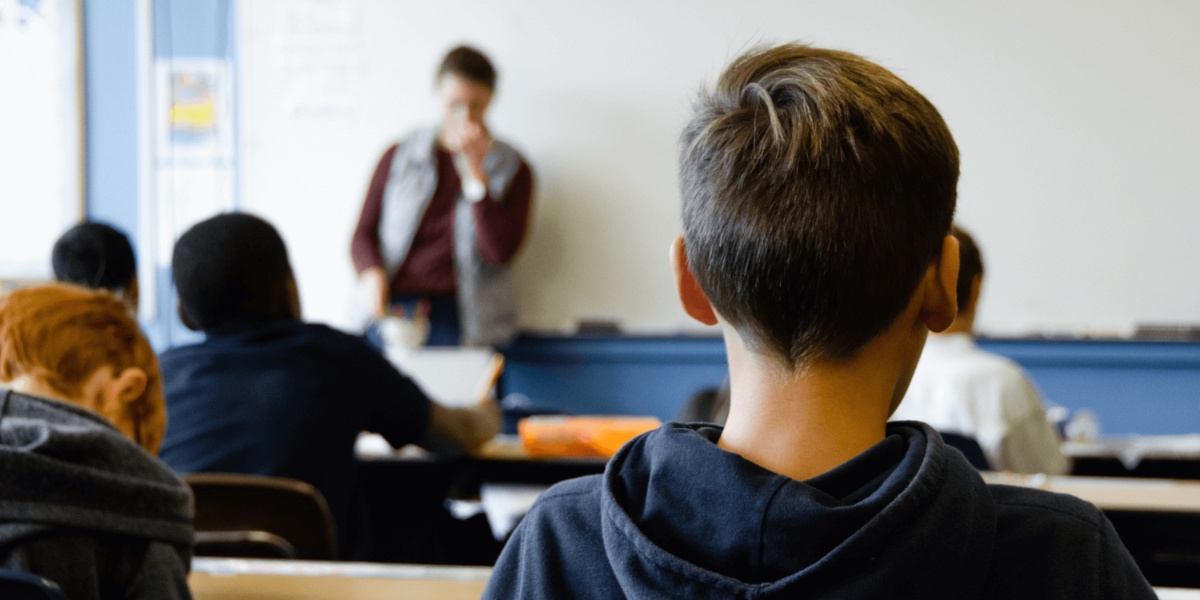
64, 466
762, 535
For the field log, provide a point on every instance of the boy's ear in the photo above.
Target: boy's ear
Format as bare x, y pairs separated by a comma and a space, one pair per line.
129, 385
941, 291
695, 302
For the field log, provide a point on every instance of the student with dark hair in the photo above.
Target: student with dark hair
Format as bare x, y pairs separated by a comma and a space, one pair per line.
97, 256
83, 501
444, 216
962, 389
817, 190
266, 393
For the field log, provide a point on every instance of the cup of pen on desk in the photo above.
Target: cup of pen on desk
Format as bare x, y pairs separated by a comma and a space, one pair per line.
406, 331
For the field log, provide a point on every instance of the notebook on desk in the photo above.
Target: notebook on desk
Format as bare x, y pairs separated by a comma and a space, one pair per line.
455, 377
451, 376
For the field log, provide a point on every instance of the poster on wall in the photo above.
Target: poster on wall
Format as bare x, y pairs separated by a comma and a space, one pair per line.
40, 148
194, 146
194, 115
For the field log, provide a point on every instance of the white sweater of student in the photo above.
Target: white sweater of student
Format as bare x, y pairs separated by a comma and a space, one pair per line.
959, 388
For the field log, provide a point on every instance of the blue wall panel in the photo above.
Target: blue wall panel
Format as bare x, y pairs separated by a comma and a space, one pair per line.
1134, 387
111, 119
613, 375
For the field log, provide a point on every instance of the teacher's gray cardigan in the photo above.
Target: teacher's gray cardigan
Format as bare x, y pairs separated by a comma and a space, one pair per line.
486, 306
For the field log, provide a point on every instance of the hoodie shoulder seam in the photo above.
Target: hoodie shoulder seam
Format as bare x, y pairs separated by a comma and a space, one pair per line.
569, 489
1067, 513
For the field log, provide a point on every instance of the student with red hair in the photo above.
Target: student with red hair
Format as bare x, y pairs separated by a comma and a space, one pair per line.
64, 342
84, 503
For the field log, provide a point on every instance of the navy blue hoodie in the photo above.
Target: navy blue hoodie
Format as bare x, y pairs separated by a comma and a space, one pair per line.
674, 516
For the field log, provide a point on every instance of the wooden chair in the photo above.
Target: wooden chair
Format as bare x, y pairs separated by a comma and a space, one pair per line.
256, 516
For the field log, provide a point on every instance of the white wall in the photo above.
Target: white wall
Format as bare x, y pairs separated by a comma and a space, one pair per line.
40, 144
1077, 121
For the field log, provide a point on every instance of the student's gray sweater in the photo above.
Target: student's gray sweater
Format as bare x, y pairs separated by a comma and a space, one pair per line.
84, 506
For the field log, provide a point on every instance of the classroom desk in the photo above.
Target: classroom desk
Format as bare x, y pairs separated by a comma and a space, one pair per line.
1158, 520
405, 493
1165, 593
237, 579
240, 579
501, 459
1162, 456
1114, 493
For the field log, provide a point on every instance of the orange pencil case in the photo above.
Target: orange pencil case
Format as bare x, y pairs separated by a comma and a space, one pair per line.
580, 436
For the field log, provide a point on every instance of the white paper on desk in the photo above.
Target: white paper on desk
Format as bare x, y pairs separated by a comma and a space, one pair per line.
505, 504
449, 375
372, 445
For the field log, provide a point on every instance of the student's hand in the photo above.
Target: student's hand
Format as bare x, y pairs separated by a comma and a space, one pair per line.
465, 428
488, 421
374, 282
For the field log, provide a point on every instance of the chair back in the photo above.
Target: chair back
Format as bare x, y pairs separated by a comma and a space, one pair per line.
19, 585
257, 516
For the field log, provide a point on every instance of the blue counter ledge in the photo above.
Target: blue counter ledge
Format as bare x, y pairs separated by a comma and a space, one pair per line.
1134, 386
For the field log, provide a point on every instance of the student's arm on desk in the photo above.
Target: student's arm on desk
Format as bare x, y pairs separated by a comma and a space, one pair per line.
403, 413
463, 429
468, 428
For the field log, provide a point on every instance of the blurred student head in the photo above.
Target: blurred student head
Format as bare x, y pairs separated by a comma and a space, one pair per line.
465, 83
817, 190
97, 256
83, 347
970, 280
233, 267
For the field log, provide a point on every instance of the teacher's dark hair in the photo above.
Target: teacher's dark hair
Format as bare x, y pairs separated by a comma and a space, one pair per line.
470, 64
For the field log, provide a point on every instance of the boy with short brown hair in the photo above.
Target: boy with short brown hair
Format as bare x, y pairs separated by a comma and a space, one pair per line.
818, 192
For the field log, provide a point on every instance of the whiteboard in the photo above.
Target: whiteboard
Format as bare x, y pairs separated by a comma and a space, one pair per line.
40, 145
1077, 122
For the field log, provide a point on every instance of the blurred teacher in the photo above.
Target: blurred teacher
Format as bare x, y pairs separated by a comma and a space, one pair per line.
444, 215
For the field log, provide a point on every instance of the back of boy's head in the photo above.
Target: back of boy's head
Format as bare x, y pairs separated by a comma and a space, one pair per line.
817, 187
95, 256
62, 334
970, 266
229, 268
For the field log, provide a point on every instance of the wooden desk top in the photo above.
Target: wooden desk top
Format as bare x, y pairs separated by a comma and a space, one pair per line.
1177, 594
508, 447
500, 448
238, 579
1134, 448
1114, 493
